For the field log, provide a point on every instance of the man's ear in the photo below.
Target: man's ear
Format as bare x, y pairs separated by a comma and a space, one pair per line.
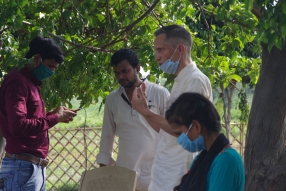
37, 60
181, 49
138, 68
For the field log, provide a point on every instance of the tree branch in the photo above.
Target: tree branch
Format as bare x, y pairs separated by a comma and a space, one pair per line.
128, 28
5, 29
257, 11
79, 45
147, 4
207, 25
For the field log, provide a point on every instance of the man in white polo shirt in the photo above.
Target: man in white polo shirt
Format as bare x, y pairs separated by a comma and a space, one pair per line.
172, 46
137, 141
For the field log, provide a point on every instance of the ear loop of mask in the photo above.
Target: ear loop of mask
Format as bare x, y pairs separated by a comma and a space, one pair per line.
189, 128
174, 53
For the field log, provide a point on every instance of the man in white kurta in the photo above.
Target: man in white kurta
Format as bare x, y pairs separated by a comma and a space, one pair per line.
137, 141
172, 47
172, 161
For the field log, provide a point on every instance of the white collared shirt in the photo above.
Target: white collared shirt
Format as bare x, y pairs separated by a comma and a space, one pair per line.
137, 141
172, 161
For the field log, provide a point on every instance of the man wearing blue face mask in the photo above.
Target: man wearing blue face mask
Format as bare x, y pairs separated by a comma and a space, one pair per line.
175, 152
24, 122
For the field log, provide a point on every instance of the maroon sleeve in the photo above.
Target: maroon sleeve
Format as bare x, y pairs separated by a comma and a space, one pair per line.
19, 125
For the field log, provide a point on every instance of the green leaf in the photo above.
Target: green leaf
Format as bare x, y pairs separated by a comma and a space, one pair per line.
100, 17
248, 4
24, 2
224, 65
283, 30
284, 8
235, 77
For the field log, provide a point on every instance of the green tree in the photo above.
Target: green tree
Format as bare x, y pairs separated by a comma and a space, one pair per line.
227, 38
226, 50
265, 152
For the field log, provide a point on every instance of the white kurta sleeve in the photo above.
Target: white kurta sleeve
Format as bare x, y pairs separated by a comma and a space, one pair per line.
107, 136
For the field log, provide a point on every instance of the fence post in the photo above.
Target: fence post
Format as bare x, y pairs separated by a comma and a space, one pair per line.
242, 139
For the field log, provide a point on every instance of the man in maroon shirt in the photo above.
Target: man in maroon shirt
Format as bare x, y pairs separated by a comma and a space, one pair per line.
23, 120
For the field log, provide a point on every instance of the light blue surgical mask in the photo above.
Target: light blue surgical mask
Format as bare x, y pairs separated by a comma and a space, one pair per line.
192, 146
169, 66
42, 72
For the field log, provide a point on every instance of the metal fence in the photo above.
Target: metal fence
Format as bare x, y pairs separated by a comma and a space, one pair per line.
69, 156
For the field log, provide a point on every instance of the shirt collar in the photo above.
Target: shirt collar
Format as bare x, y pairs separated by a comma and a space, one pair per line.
186, 70
24, 71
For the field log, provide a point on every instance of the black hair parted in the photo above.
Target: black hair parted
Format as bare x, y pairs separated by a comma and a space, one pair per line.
125, 54
193, 106
47, 48
176, 34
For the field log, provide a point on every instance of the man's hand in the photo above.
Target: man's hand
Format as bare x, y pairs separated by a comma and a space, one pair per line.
65, 115
139, 102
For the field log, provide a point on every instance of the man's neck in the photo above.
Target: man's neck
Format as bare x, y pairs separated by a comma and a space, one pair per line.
186, 60
129, 91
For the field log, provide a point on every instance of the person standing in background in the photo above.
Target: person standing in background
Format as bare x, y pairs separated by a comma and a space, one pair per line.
137, 141
24, 122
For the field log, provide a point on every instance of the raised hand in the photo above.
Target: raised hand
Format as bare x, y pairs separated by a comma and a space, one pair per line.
139, 102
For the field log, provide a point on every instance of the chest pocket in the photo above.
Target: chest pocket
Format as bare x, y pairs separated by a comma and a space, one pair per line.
33, 108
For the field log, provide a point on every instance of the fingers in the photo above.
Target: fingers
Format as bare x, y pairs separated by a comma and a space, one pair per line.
66, 116
134, 95
70, 113
75, 110
68, 120
140, 92
143, 88
64, 108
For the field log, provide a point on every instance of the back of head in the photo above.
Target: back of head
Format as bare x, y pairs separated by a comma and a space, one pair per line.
125, 54
47, 48
176, 34
194, 106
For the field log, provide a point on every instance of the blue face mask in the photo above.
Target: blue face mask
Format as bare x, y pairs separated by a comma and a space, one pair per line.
42, 72
192, 146
169, 66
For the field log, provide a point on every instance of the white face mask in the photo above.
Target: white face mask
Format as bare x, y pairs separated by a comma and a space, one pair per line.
169, 66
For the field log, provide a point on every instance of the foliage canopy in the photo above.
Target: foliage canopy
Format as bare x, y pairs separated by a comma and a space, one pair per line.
225, 43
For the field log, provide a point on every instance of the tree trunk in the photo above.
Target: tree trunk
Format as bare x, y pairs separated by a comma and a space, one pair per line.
265, 151
226, 96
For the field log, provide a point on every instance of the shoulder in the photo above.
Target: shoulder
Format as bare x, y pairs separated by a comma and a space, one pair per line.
197, 74
226, 172
15, 75
227, 160
113, 94
14, 79
155, 87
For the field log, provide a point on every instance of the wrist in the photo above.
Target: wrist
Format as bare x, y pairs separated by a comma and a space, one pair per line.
147, 112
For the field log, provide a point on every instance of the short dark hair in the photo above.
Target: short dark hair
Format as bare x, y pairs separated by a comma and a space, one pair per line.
125, 54
47, 48
176, 34
194, 106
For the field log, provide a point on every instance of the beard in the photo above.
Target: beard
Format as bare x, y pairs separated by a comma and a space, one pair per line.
128, 84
